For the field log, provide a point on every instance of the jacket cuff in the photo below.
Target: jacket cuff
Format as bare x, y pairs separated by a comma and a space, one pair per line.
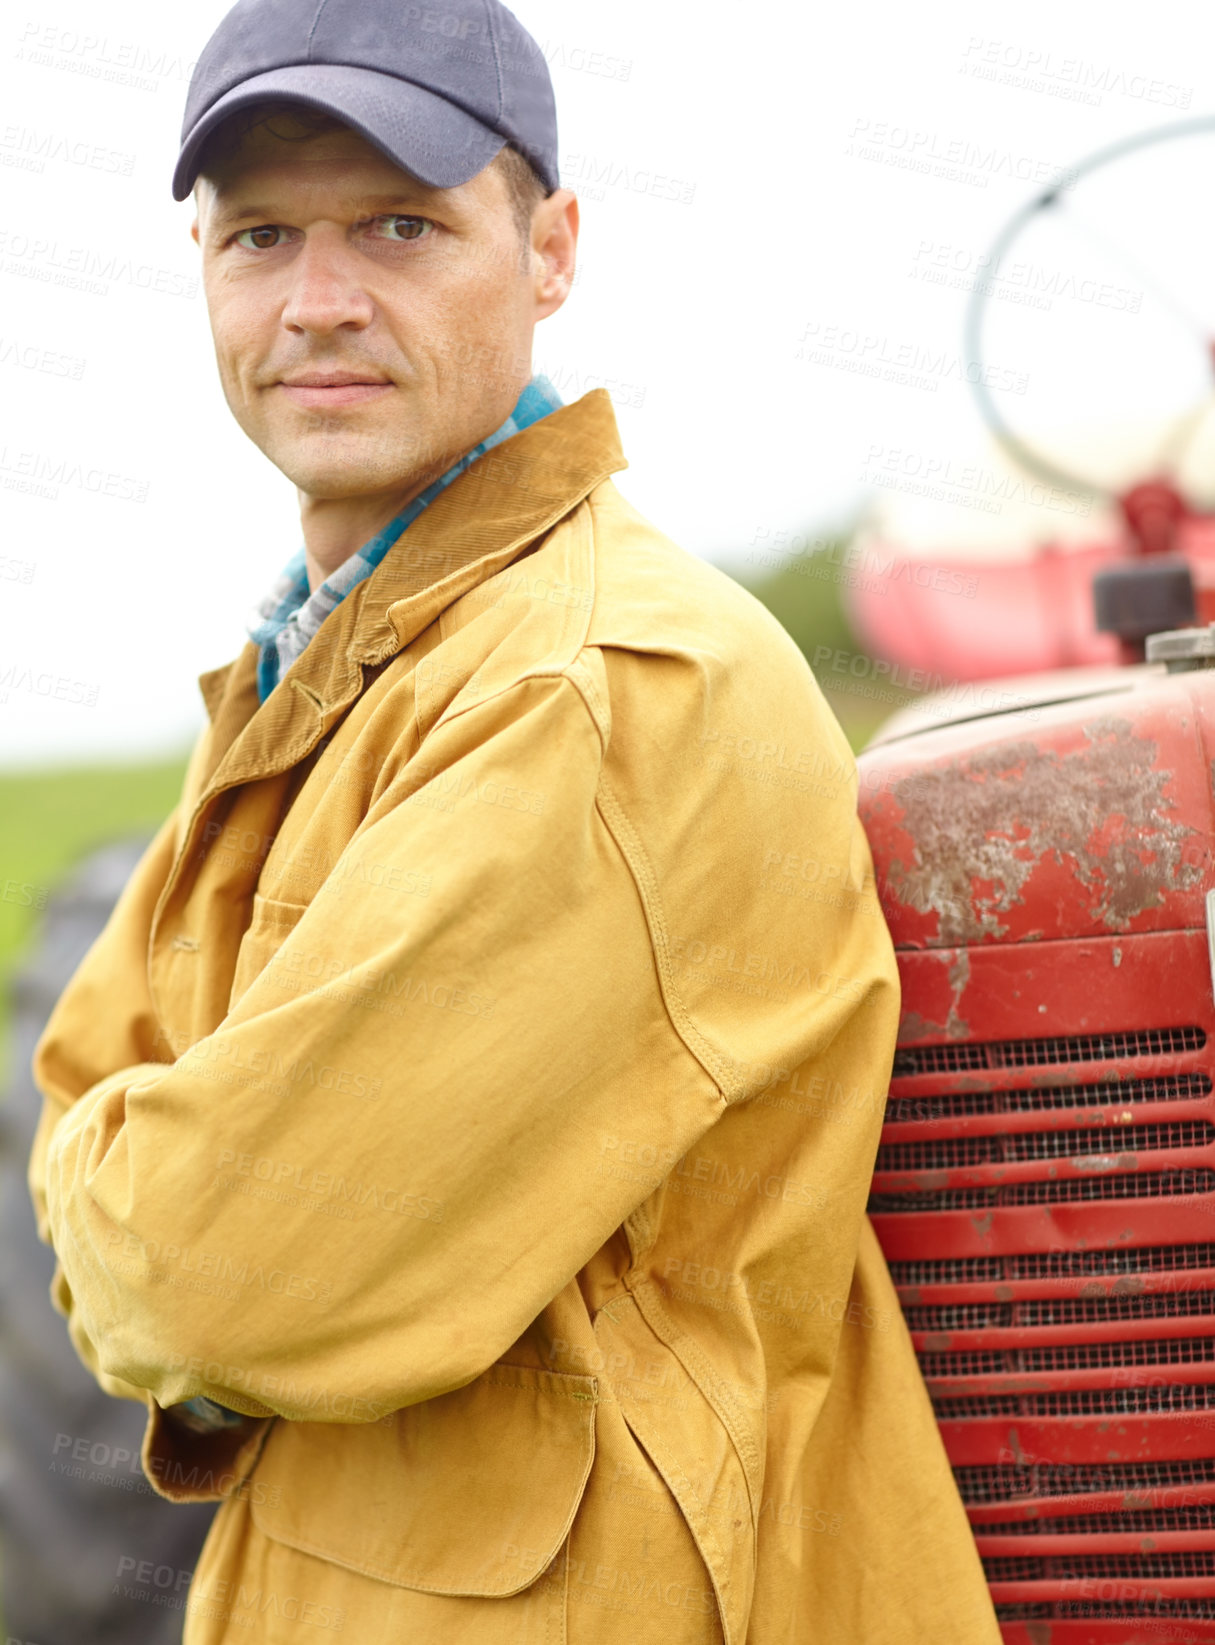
189, 1467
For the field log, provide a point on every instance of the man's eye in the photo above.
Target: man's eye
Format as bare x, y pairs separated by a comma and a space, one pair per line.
392, 228
403, 228
258, 236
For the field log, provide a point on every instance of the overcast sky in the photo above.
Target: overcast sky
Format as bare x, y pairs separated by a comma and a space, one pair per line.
782, 206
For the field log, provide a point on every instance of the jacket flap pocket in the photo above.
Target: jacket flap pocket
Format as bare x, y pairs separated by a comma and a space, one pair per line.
472, 1492
272, 923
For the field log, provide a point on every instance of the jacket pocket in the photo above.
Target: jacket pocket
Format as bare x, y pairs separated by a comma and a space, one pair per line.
271, 925
708, 1460
470, 1493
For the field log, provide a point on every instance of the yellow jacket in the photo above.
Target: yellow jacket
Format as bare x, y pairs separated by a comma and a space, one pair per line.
477, 1085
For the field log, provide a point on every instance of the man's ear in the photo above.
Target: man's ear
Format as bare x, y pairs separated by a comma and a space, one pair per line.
554, 250
200, 207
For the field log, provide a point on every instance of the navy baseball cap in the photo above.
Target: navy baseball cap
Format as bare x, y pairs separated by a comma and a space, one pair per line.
439, 86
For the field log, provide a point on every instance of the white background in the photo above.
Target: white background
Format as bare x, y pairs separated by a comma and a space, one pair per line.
790, 126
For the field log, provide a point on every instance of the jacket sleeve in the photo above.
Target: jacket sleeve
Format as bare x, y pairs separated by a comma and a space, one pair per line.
113, 1031
251, 1225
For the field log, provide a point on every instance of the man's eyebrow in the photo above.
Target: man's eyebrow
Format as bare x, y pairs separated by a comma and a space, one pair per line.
373, 202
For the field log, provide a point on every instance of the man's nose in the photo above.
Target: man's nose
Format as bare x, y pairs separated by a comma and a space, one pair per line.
326, 291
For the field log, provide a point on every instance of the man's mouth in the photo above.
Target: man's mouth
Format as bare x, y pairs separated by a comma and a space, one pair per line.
327, 390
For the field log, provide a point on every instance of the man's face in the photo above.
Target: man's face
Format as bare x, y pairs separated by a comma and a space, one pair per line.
323, 263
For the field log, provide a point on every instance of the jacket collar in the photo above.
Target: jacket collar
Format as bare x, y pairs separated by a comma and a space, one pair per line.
502, 503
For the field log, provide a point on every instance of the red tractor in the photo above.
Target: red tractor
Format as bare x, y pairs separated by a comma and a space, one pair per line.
1045, 1186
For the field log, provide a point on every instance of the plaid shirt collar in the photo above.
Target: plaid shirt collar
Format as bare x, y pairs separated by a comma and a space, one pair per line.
287, 618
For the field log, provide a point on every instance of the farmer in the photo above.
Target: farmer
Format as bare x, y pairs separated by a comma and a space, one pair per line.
459, 1136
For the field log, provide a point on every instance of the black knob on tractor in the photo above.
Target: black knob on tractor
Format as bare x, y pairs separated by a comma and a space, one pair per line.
1144, 597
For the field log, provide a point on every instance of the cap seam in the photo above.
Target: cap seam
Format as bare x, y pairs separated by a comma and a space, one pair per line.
312, 29
493, 40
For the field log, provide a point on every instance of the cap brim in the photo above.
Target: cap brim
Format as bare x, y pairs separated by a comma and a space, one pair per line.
424, 134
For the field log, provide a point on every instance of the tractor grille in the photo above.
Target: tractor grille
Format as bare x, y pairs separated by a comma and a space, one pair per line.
1141, 1481
1063, 1191
1158, 1259
1065, 1320
1079, 1402
965, 1056
1151, 1522
1152, 1606
1071, 1357
1137, 1567
1036, 1100
953, 1153
1061, 1311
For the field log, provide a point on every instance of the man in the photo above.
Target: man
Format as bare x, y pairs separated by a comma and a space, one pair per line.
459, 1137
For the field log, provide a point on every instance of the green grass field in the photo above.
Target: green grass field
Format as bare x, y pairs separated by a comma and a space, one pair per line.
49, 820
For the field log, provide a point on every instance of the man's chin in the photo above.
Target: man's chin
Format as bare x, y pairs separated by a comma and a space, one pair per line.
335, 474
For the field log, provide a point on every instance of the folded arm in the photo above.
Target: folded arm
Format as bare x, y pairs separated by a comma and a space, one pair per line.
239, 1226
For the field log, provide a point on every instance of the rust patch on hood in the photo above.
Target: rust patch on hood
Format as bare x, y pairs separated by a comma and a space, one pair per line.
982, 825
959, 976
914, 1027
1021, 1457
929, 1182
1126, 1285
